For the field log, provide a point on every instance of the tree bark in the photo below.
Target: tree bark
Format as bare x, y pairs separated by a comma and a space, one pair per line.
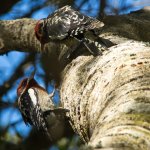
108, 96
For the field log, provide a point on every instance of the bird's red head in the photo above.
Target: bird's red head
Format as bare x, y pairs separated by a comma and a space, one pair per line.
22, 86
40, 32
27, 83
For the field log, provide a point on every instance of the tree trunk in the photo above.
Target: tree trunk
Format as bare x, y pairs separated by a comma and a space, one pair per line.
108, 96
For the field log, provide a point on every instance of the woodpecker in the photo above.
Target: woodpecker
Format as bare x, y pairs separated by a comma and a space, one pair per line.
35, 104
66, 24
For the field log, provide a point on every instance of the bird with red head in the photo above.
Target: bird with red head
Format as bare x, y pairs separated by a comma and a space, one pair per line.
40, 33
37, 107
70, 27
32, 102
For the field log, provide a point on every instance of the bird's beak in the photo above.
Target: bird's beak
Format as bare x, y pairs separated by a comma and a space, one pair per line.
31, 76
42, 47
42, 44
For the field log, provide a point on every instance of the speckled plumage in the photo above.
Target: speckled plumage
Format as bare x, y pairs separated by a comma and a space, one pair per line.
36, 106
66, 24
33, 102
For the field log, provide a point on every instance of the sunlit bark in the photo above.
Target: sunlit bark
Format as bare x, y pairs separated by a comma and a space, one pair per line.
108, 96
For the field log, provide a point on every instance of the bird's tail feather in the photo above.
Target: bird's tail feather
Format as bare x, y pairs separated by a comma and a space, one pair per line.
96, 47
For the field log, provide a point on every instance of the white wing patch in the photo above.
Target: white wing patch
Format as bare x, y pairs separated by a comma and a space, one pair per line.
32, 96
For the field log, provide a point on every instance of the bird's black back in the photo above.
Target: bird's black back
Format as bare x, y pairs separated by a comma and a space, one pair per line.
31, 113
67, 22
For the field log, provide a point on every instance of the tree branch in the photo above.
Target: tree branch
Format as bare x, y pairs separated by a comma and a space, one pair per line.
18, 35
133, 26
108, 96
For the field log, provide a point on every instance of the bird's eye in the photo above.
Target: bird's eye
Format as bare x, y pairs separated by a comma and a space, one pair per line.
24, 83
40, 29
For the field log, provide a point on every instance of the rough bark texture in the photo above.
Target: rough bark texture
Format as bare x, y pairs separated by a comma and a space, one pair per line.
108, 96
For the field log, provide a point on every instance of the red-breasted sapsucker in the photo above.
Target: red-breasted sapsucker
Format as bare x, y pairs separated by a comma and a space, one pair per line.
66, 24
35, 104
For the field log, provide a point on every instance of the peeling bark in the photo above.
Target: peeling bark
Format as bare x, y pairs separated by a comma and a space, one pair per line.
108, 96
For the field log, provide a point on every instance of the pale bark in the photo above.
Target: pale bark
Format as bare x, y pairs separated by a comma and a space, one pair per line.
108, 96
